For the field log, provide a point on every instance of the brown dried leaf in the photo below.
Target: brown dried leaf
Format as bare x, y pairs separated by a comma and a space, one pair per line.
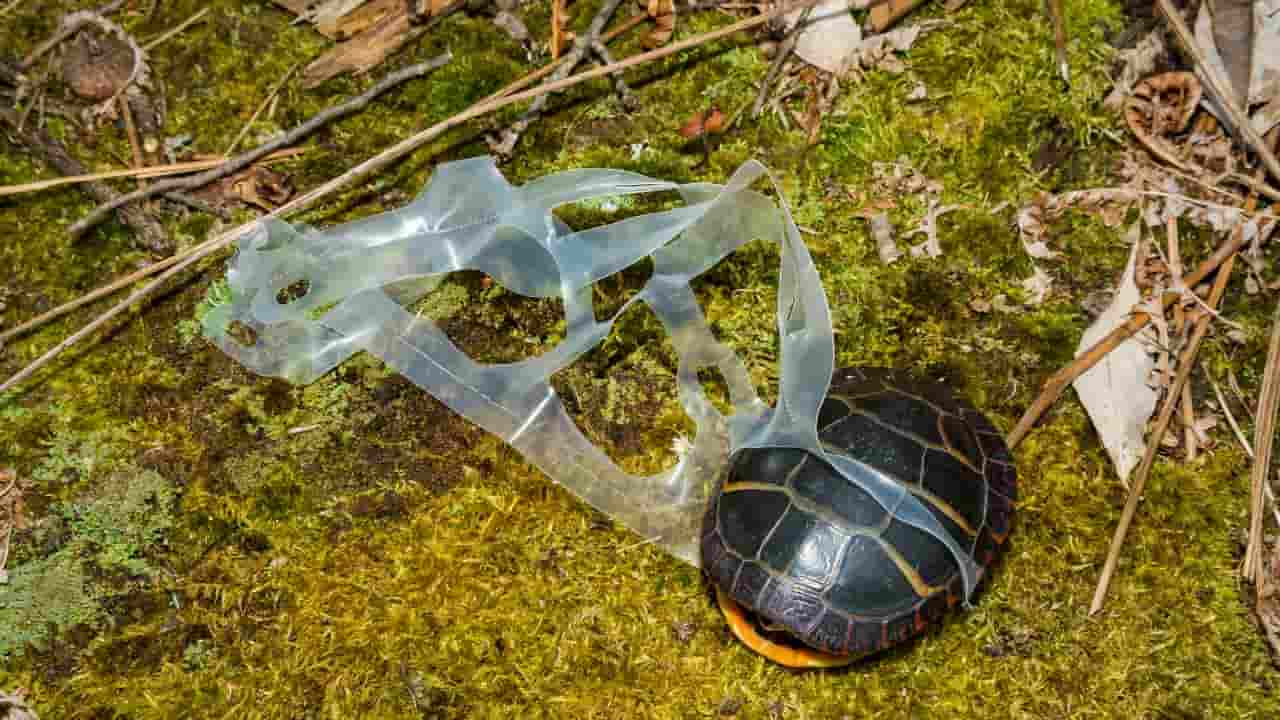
258, 186
1162, 105
709, 122
96, 65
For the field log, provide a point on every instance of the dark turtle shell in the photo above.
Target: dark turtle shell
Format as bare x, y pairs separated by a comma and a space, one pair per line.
791, 539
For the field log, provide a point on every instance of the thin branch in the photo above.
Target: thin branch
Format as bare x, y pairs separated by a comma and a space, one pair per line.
246, 159
166, 36
581, 47
785, 48
1186, 361
549, 68
262, 106
383, 160
151, 171
628, 99
131, 131
1263, 434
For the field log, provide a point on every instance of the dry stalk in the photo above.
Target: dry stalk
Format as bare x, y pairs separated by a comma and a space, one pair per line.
131, 130
1263, 434
1186, 362
262, 106
1175, 276
170, 34
1244, 443
383, 160
143, 172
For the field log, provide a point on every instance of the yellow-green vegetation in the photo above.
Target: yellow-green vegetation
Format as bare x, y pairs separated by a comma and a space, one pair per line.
202, 542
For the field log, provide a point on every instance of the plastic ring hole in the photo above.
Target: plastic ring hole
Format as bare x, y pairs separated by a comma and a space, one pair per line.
294, 291
242, 334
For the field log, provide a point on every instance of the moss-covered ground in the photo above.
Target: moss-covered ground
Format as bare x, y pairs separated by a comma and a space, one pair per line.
185, 554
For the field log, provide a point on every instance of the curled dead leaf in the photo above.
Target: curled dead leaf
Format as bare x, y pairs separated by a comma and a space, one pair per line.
1172, 98
1160, 106
97, 65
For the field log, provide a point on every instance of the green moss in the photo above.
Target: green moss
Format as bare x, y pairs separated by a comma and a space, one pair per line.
115, 532
44, 598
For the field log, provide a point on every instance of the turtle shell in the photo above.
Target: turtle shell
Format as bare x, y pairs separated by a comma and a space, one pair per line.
799, 545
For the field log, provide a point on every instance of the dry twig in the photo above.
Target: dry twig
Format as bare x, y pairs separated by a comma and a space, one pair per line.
581, 47
379, 162
785, 48
249, 157
1186, 362
170, 34
151, 171
549, 68
1263, 435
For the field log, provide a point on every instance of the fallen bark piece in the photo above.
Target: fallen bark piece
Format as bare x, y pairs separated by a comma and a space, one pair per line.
375, 31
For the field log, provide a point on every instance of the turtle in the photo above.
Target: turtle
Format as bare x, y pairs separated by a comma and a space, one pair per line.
810, 570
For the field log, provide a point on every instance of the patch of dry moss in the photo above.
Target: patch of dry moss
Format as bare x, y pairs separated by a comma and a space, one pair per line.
353, 548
